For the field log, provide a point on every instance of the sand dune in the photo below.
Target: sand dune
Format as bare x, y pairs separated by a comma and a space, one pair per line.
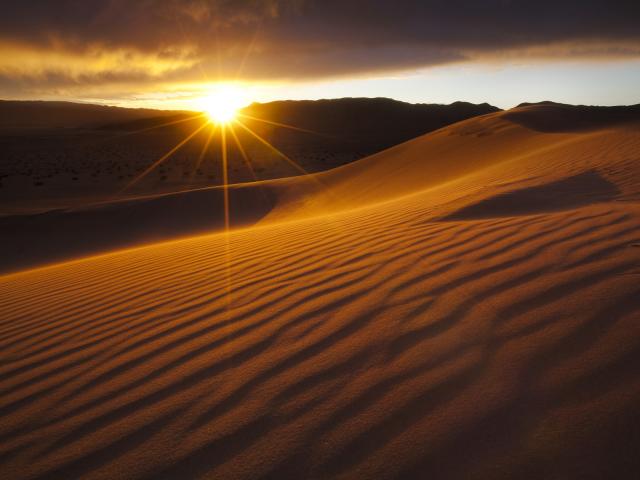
460, 165
464, 305
463, 157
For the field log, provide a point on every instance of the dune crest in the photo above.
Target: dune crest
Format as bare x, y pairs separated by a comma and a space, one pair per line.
455, 157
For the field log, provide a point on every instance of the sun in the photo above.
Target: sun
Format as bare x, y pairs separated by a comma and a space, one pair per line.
223, 103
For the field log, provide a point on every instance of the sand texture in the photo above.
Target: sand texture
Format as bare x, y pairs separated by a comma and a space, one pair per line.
465, 305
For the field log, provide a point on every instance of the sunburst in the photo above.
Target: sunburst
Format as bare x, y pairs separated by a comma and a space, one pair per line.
223, 103
222, 109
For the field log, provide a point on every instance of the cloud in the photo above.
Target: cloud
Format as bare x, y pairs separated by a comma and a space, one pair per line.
71, 43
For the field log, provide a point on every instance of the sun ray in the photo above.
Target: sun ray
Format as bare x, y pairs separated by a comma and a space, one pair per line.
117, 136
204, 151
225, 176
166, 124
284, 125
248, 51
243, 153
272, 148
162, 159
225, 194
188, 40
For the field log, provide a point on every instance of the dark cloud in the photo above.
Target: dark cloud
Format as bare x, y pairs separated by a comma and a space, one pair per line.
301, 38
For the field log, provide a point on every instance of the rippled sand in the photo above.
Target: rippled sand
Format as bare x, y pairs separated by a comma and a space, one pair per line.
465, 305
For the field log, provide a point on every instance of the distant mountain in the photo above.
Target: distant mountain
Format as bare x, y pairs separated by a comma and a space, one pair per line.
41, 114
382, 120
359, 126
356, 119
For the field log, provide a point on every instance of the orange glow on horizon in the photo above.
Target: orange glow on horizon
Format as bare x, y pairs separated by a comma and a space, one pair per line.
223, 103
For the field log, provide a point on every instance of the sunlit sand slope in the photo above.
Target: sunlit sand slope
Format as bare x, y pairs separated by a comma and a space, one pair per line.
521, 144
487, 326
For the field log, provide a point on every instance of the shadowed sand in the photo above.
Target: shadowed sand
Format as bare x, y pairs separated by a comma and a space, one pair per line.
70, 233
353, 333
571, 192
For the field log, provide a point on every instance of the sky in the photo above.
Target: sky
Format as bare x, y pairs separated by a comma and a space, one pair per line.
171, 53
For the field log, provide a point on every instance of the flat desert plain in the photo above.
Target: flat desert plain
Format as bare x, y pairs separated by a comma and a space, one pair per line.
465, 305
